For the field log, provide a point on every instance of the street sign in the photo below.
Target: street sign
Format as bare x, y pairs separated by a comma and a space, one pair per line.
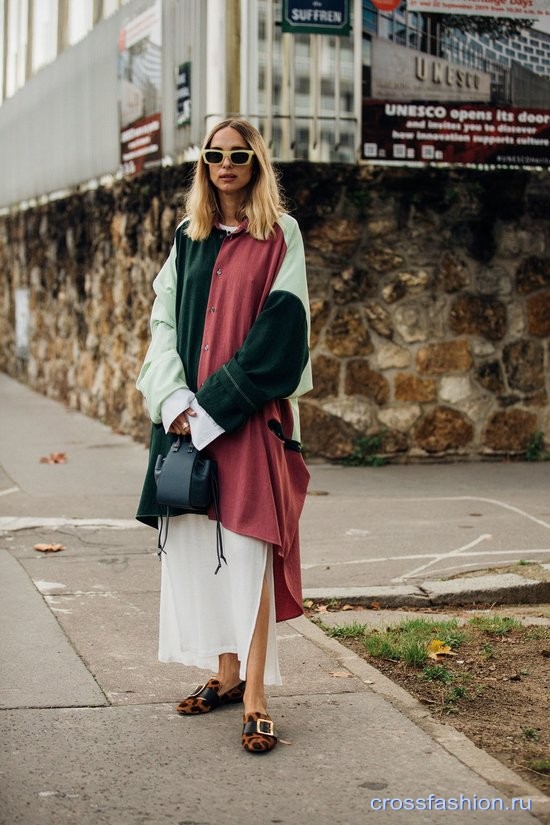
316, 17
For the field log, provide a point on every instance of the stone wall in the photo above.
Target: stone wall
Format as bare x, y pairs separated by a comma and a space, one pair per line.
430, 299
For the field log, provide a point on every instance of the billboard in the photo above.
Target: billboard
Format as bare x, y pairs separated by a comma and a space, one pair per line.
432, 94
139, 79
492, 8
457, 134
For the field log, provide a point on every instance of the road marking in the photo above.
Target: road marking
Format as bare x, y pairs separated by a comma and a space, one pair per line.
521, 553
12, 523
498, 503
456, 552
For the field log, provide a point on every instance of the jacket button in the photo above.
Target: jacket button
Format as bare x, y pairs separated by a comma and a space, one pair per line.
218, 272
206, 348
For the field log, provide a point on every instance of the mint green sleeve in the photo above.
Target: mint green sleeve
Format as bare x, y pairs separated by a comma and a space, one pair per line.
162, 372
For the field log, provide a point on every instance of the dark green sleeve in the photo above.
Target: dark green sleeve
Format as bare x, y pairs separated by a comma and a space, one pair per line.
268, 365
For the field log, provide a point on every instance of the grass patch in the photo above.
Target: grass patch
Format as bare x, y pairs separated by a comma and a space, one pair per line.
538, 634
495, 625
452, 697
437, 673
406, 642
354, 630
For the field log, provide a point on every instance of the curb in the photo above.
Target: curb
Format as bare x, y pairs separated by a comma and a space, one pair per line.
455, 742
507, 588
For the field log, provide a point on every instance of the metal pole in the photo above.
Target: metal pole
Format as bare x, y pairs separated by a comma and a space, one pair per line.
233, 53
358, 73
337, 95
268, 74
287, 97
314, 93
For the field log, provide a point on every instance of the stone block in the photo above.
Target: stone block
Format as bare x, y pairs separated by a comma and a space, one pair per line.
400, 418
443, 430
491, 377
533, 274
453, 389
477, 315
320, 310
391, 356
362, 380
328, 435
453, 273
509, 431
538, 314
326, 376
379, 319
347, 334
445, 357
412, 388
524, 364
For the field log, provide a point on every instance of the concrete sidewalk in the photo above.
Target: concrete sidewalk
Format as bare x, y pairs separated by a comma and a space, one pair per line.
89, 729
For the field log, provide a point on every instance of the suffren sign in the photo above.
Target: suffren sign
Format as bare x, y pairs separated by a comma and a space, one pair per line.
405, 74
493, 8
316, 17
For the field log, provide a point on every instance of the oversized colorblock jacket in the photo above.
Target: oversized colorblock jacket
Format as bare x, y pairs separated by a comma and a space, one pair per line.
230, 322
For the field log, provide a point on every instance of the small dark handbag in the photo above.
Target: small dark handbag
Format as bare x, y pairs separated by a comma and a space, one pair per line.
187, 481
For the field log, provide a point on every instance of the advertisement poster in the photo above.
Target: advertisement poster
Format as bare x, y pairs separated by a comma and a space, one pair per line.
434, 94
139, 78
492, 8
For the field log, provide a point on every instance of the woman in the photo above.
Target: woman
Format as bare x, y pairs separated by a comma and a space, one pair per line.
228, 359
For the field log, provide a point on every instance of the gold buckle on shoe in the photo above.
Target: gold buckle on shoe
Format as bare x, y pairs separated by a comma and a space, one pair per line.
264, 726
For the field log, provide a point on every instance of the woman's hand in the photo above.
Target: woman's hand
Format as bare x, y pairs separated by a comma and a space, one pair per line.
180, 425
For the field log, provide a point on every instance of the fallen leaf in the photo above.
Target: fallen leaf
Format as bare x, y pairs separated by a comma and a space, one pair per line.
341, 674
308, 603
375, 605
437, 648
284, 741
317, 493
49, 548
348, 607
54, 458
322, 608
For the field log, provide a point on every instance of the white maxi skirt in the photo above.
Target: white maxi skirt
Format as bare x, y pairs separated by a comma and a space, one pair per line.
202, 614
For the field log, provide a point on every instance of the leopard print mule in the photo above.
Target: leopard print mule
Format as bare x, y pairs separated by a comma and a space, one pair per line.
207, 697
258, 734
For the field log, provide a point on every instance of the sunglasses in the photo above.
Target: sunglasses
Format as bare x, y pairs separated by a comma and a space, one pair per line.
238, 157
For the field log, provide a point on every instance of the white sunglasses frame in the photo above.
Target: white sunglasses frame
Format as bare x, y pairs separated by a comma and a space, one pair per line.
227, 154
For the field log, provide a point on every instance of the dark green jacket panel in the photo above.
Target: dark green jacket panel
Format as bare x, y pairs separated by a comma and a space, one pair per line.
194, 264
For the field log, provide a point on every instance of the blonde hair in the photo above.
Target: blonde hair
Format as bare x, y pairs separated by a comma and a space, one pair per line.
263, 203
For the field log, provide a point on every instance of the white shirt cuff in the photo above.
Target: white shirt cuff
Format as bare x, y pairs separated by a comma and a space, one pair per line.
203, 428
175, 404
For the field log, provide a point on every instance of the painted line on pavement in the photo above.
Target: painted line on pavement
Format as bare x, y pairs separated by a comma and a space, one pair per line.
9, 491
385, 559
498, 503
10, 524
456, 552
